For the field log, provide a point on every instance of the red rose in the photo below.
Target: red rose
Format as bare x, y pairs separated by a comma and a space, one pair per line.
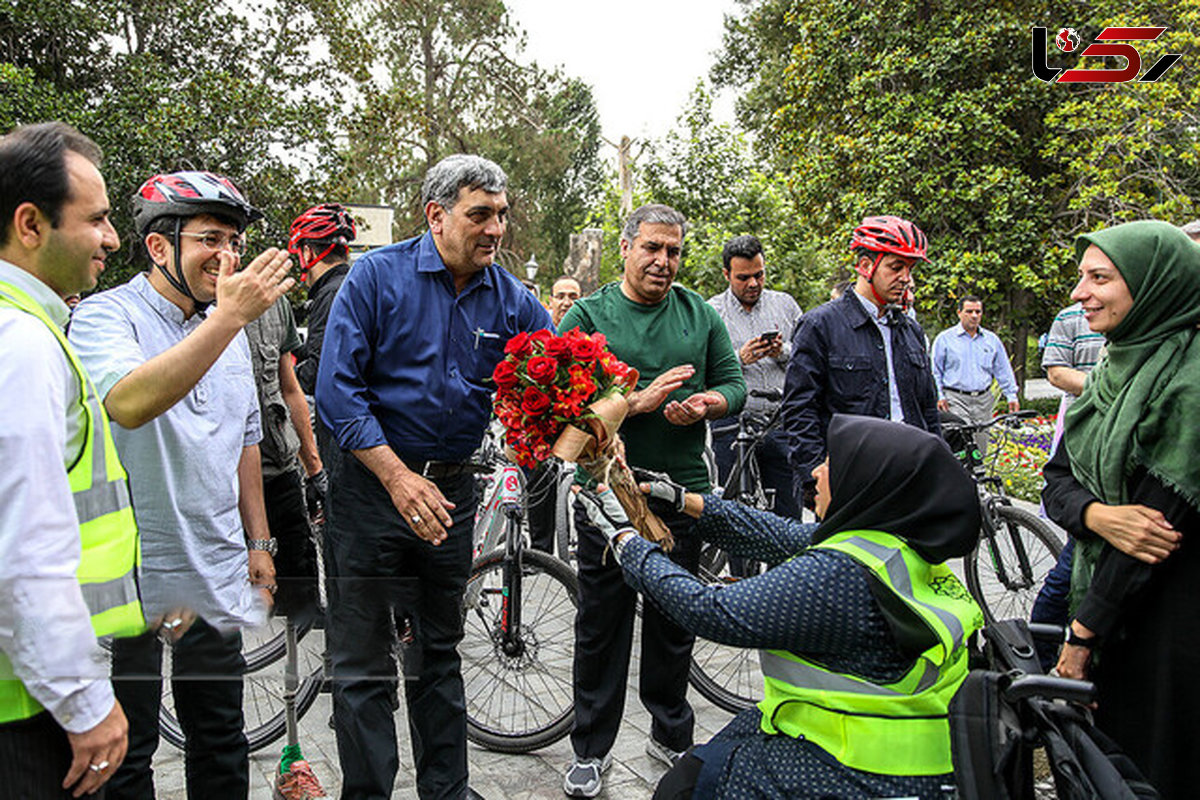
559, 348
585, 349
505, 373
535, 402
519, 345
541, 337
542, 369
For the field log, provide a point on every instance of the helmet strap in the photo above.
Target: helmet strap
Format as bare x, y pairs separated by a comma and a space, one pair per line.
306, 266
178, 281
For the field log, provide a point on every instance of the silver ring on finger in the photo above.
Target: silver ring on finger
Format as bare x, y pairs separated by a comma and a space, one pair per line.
103, 765
416, 519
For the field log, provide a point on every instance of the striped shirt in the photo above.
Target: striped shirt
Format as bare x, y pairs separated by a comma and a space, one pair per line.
1071, 343
774, 311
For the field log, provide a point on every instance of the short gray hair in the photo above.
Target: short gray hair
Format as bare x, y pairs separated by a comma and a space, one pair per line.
447, 177
653, 214
1192, 229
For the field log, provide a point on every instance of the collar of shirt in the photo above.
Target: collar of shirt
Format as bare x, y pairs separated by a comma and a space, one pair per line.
430, 260
144, 289
871, 309
42, 294
959, 330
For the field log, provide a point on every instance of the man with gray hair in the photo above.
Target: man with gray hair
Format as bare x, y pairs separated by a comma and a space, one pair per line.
689, 373
403, 385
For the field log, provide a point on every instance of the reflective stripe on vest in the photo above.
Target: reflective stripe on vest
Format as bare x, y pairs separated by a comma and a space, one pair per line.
900, 728
109, 552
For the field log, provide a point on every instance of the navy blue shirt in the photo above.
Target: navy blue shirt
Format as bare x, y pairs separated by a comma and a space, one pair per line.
407, 361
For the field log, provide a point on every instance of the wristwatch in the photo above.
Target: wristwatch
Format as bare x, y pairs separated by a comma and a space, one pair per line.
1080, 641
270, 545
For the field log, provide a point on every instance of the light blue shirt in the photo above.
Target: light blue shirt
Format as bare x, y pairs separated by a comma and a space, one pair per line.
183, 464
897, 411
970, 363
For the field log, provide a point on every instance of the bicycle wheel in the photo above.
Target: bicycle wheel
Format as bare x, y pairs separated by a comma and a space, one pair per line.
263, 706
994, 571
729, 677
519, 702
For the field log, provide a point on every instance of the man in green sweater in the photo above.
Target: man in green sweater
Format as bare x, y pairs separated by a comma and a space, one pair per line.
689, 374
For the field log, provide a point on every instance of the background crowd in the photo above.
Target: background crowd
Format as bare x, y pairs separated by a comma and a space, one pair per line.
192, 363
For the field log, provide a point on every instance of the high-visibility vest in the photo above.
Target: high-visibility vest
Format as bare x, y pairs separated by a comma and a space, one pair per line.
901, 728
110, 554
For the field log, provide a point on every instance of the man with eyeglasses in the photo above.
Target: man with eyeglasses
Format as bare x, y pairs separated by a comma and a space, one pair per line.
170, 360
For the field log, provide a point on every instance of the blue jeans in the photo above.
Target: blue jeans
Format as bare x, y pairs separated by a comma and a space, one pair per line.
1051, 605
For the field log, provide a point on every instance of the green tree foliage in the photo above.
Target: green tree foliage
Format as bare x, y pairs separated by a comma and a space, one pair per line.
180, 85
302, 101
449, 79
929, 110
707, 171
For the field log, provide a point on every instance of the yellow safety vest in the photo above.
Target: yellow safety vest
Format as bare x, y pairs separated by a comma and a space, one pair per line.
110, 553
900, 728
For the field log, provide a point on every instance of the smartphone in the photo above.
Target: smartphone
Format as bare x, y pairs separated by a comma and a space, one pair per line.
769, 336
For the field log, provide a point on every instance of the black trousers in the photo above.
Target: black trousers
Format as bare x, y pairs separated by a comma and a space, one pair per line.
604, 641
380, 567
35, 756
296, 560
541, 489
206, 681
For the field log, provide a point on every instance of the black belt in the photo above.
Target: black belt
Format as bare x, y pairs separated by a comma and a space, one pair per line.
968, 394
438, 469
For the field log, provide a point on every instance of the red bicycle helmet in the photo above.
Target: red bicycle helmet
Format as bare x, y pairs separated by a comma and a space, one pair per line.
186, 194
888, 235
327, 222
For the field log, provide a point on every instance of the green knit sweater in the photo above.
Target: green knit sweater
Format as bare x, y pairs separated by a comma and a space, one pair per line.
682, 329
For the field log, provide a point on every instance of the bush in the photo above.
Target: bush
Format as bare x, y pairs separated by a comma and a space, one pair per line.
1018, 455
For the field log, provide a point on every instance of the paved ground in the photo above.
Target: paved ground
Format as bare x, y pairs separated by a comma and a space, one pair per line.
495, 776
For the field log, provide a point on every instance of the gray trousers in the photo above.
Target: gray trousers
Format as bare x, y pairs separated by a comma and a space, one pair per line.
975, 410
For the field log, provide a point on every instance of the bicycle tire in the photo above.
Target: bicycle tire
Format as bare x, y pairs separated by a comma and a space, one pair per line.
263, 707
522, 703
729, 677
1042, 547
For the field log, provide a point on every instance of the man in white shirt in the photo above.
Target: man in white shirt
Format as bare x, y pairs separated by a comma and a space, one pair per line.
61, 730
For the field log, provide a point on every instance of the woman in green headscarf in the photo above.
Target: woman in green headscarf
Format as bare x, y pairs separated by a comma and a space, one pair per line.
1127, 486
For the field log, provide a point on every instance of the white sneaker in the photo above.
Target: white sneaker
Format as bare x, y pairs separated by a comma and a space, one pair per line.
584, 777
660, 751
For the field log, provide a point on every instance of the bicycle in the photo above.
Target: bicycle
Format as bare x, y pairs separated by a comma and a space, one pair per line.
1016, 549
730, 677
518, 631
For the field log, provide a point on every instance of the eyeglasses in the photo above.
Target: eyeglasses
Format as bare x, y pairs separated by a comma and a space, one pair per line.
216, 242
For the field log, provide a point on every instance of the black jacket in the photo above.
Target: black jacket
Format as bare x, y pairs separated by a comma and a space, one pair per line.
838, 366
320, 300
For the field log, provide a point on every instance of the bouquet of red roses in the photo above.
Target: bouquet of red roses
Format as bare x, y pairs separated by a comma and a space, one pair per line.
565, 396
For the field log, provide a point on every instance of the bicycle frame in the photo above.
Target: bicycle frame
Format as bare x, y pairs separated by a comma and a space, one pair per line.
508, 500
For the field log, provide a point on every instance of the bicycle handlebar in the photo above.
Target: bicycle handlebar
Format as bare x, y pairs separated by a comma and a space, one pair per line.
975, 427
1050, 688
770, 395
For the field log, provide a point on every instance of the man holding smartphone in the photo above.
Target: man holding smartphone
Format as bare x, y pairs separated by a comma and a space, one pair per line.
760, 323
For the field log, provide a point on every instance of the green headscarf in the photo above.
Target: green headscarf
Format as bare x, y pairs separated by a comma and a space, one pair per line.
1141, 405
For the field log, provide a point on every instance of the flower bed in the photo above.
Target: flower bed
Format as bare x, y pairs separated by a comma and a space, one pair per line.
1020, 455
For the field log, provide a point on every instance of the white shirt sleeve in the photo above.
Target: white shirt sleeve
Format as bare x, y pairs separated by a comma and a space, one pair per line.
45, 627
